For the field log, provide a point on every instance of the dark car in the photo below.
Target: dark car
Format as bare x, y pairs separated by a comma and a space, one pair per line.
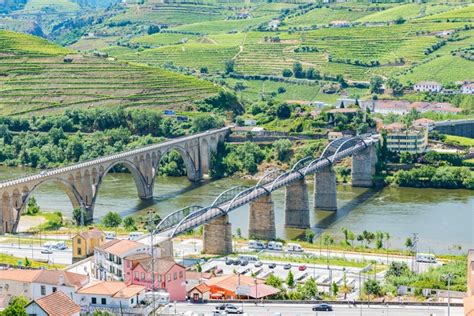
229, 262
244, 263
237, 262
323, 307
287, 266
272, 265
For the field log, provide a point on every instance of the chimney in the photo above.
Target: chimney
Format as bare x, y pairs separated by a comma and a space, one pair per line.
61, 279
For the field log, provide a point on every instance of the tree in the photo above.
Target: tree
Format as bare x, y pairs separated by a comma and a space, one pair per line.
204, 70
27, 263
409, 244
312, 73
229, 66
78, 214
395, 85
282, 149
372, 287
239, 232
112, 219
368, 237
274, 281
360, 238
129, 223
32, 207
153, 29
310, 289
286, 73
283, 111
376, 83
290, 279
16, 307
205, 123
334, 288
379, 239
298, 70
345, 231
406, 157
309, 235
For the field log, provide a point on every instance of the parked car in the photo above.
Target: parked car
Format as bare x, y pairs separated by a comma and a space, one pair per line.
229, 308
229, 262
323, 307
237, 262
258, 264
275, 245
46, 250
287, 266
294, 248
218, 271
302, 267
254, 244
272, 265
244, 263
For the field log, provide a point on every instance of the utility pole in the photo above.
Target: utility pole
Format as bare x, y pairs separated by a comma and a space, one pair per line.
448, 277
415, 251
151, 230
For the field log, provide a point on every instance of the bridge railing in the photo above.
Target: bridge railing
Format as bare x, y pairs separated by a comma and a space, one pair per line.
50, 172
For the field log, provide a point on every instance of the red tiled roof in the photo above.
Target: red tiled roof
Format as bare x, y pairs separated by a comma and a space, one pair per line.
57, 304
202, 288
344, 110
59, 277
119, 247
111, 288
92, 233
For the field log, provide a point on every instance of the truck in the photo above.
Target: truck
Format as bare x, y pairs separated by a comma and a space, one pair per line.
294, 248
253, 244
275, 245
426, 258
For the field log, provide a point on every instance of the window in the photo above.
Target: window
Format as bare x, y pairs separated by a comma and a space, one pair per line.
119, 273
118, 260
143, 276
78, 241
131, 300
181, 274
103, 301
43, 290
94, 300
169, 277
137, 275
79, 251
175, 275
54, 289
159, 277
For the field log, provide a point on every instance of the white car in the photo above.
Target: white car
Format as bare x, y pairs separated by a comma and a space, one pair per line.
46, 250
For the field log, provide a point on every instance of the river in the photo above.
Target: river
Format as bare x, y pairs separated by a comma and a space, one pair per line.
442, 218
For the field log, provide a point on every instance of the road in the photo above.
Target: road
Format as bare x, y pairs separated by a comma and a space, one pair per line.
305, 309
58, 256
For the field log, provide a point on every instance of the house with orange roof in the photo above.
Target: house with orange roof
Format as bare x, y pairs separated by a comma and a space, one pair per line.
54, 304
109, 258
110, 295
168, 275
84, 243
200, 293
225, 287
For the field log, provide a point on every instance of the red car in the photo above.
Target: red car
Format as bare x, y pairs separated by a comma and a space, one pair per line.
302, 267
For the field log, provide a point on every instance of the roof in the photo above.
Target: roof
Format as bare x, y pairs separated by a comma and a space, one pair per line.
19, 275
435, 106
111, 288
161, 265
57, 304
427, 83
395, 126
387, 104
422, 121
191, 275
138, 257
92, 233
344, 110
119, 247
202, 288
59, 277
335, 133
262, 290
230, 282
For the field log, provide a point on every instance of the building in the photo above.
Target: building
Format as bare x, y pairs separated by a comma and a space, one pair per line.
439, 107
387, 106
226, 287
340, 23
109, 258
168, 275
424, 123
427, 86
110, 295
34, 284
401, 139
200, 293
345, 103
83, 243
469, 300
54, 304
274, 24
467, 88
335, 135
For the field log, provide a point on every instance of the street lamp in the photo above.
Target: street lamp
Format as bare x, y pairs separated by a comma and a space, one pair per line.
448, 277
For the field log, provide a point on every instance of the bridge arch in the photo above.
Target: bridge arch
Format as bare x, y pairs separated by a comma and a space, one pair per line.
189, 163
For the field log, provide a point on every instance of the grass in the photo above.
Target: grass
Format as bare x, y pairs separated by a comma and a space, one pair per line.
13, 261
406, 11
19, 44
52, 5
458, 140
322, 16
321, 260
465, 14
223, 26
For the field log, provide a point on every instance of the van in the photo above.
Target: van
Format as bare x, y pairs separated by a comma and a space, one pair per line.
110, 235
160, 297
294, 248
135, 235
275, 245
253, 244
60, 245
425, 257
248, 258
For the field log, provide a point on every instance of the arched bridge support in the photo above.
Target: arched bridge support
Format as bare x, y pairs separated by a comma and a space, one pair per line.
325, 197
363, 167
217, 236
296, 204
262, 218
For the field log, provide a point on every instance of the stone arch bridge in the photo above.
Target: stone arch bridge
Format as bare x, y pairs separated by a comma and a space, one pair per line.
81, 182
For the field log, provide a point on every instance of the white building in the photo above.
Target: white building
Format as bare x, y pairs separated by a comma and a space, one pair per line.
335, 135
401, 139
110, 294
467, 88
108, 258
427, 86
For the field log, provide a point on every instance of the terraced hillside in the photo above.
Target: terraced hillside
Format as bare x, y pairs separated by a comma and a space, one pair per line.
37, 78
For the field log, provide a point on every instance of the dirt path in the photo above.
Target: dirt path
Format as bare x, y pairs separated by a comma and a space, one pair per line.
27, 222
241, 47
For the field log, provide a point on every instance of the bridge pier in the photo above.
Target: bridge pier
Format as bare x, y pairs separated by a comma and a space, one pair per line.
262, 218
325, 197
363, 167
217, 236
296, 205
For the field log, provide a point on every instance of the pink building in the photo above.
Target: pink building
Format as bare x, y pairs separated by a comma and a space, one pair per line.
169, 275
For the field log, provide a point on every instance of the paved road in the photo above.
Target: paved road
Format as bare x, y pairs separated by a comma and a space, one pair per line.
305, 309
58, 256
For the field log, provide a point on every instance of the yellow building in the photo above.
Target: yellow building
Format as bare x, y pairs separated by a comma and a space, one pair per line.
83, 244
469, 300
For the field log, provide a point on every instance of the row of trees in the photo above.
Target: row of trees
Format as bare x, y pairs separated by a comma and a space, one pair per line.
432, 177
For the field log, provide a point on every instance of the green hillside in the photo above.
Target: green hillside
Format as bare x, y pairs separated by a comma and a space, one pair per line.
51, 6
36, 78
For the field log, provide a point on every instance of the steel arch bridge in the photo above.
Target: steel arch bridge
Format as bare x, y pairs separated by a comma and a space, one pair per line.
191, 217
